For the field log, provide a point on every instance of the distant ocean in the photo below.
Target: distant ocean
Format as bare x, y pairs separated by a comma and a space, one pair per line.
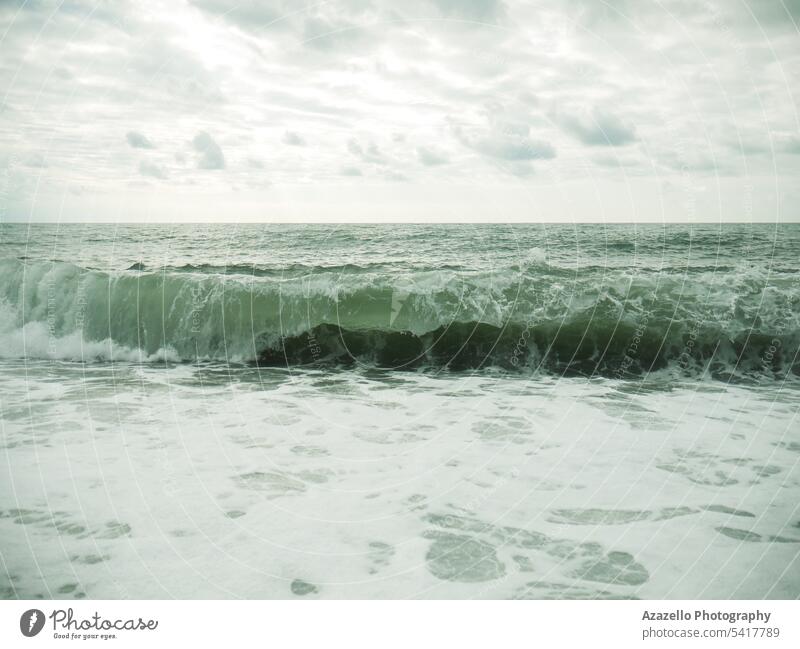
405, 411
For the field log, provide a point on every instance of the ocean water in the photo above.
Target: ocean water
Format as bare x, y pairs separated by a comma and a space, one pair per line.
399, 411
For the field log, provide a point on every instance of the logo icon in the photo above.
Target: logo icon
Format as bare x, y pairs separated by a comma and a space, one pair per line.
31, 622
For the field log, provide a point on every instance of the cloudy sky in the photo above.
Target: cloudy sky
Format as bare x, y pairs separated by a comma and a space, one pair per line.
371, 110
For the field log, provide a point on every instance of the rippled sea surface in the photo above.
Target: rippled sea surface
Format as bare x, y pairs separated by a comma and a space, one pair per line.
399, 411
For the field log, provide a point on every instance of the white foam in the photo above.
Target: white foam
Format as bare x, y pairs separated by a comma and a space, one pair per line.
36, 341
238, 484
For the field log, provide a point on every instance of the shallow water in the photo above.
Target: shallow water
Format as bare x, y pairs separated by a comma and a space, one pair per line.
134, 473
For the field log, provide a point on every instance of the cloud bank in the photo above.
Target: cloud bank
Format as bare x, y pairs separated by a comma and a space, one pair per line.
488, 109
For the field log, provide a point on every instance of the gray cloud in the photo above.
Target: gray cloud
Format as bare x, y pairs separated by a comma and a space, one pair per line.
151, 169
693, 161
789, 144
325, 34
395, 176
36, 160
430, 157
351, 171
369, 153
599, 129
483, 10
512, 144
747, 145
293, 139
211, 156
249, 14
138, 141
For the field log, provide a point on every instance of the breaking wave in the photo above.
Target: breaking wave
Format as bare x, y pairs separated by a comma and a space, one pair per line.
522, 318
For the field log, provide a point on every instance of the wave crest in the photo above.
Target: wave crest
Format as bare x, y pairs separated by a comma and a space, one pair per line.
529, 318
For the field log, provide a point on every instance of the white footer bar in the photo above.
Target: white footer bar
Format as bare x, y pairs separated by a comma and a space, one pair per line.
403, 625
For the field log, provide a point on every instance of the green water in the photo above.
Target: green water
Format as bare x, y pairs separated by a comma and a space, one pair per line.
579, 299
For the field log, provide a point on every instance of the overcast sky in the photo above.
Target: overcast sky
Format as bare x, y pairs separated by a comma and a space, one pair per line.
370, 110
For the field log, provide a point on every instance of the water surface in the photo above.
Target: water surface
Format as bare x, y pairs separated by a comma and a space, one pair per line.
399, 411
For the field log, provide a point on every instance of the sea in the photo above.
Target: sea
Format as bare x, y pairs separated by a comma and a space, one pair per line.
483, 411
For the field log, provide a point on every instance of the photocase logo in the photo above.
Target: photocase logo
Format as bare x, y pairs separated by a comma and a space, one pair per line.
31, 622
66, 625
